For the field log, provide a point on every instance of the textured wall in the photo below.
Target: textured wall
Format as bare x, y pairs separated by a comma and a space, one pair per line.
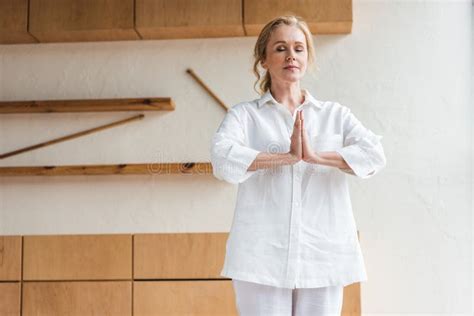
404, 71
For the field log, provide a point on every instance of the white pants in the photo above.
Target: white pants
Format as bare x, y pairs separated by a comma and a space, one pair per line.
254, 299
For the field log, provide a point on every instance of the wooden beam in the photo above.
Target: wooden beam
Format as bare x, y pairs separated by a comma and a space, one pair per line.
91, 105
140, 168
209, 91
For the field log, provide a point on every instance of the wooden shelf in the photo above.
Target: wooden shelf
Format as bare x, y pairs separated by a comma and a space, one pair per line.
92, 105
143, 168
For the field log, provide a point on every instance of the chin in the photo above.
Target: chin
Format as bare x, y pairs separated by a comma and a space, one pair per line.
293, 78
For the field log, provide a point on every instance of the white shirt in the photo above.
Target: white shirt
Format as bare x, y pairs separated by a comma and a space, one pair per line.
293, 225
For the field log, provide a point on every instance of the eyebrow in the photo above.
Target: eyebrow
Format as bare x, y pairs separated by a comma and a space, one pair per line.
278, 42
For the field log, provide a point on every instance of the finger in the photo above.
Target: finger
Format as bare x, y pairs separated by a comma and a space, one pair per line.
297, 120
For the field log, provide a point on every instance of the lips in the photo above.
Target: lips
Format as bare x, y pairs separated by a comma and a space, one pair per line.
290, 67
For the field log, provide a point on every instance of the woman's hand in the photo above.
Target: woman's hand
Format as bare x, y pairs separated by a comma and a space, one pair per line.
309, 155
296, 147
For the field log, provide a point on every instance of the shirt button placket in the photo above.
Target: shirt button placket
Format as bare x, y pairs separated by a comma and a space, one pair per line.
292, 265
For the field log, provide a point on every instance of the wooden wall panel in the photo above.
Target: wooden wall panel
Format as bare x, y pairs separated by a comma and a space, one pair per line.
10, 299
322, 16
77, 257
163, 19
14, 22
184, 298
179, 255
77, 298
10, 258
82, 20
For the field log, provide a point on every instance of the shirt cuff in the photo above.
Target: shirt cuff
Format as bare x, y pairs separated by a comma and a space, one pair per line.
357, 160
238, 159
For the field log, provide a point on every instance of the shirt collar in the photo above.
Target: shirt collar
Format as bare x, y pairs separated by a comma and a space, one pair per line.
268, 97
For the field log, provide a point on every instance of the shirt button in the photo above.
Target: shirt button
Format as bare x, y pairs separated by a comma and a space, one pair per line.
297, 204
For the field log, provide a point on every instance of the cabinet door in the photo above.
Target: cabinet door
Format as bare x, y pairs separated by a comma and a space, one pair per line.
82, 20
10, 298
322, 16
213, 297
14, 22
77, 257
10, 258
161, 19
77, 298
179, 255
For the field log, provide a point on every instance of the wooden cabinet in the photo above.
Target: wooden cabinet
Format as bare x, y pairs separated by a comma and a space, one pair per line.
322, 16
82, 20
14, 22
25, 21
121, 274
164, 19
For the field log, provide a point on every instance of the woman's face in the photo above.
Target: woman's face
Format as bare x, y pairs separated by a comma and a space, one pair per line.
286, 47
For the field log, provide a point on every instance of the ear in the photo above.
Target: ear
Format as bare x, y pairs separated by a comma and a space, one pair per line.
262, 63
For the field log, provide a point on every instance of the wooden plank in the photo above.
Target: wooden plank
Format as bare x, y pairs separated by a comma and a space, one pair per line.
179, 255
10, 258
10, 301
184, 298
82, 20
77, 298
77, 257
71, 136
322, 16
14, 22
92, 105
164, 19
152, 168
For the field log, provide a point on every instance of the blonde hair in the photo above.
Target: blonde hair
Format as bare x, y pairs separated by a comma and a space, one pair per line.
262, 41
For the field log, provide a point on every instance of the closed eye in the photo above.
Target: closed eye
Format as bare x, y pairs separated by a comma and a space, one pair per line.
280, 49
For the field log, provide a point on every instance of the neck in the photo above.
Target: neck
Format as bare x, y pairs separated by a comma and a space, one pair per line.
288, 94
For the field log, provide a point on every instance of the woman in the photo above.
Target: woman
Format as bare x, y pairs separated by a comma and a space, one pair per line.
293, 243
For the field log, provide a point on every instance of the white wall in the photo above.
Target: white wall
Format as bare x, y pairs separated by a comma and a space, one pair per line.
404, 71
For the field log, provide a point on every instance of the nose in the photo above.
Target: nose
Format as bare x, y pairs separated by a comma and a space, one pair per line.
290, 58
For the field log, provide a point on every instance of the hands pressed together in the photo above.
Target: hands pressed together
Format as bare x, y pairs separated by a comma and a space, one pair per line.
300, 147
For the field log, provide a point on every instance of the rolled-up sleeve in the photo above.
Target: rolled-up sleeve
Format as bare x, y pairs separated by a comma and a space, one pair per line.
230, 154
362, 150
